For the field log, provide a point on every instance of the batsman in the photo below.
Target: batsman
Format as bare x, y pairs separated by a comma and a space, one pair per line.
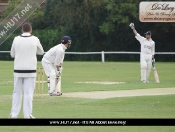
52, 64
147, 53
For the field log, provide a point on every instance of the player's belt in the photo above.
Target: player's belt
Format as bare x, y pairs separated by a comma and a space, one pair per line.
25, 71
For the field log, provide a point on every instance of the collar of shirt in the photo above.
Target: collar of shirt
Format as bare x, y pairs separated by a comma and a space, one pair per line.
64, 47
149, 39
26, 34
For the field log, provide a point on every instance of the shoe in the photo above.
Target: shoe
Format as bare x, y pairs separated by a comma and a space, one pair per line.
53, 93
10, 117
147, 81
32, 117
143, 81
59, 93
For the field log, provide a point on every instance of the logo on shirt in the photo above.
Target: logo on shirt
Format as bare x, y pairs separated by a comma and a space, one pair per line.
146, 46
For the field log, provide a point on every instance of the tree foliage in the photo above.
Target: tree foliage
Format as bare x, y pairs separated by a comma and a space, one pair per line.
118, 12
98, 25
36, 18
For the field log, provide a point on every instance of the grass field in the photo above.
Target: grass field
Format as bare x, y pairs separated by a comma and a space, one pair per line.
127, 107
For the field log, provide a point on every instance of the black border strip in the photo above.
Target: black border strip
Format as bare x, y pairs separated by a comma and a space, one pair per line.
87, 122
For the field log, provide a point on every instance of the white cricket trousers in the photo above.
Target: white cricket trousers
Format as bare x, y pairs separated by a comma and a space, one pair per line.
27, 85
145, 65
48, 67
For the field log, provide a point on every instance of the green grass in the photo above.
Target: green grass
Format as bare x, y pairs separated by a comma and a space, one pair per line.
129, 107
88, 129
111, 71
96, 71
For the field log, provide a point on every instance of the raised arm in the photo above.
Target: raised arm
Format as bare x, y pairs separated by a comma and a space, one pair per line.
133, 28
135, 32
137, 35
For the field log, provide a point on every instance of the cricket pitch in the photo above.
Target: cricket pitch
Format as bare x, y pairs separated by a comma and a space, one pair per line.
121, 93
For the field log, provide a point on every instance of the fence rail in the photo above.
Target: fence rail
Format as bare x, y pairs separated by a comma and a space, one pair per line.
103, 53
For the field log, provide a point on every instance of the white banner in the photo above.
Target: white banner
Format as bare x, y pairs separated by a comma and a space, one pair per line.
157, 11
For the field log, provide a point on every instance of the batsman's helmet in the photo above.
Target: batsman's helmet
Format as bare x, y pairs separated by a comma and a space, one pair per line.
148, 33
66, 39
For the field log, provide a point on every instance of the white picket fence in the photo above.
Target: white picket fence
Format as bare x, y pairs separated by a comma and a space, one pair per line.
105, 52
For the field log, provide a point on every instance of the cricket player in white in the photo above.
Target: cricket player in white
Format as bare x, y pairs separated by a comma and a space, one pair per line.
52, 64
24, 50
147, 53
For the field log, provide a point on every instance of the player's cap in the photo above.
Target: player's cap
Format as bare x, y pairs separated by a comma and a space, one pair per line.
66, 39
148, 33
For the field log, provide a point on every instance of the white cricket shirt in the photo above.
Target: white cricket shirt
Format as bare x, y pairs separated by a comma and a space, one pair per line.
147, 46
56, 54
24, 49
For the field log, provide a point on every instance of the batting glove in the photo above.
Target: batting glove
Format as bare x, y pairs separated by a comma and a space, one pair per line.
61, 69
59, 72
153, 60
132, 25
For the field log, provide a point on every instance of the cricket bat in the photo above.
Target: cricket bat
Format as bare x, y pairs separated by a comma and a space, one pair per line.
155, 74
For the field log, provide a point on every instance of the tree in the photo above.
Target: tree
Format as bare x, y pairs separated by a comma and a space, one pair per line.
12, 4
36, 18
99, 25
119, 12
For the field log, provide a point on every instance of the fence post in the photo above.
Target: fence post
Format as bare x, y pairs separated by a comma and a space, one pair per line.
103, 56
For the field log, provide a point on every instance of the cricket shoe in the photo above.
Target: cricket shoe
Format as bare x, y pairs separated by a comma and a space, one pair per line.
10, 117
52, 94
147, 81
32, 117
55, 94
144, 81
59, 93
